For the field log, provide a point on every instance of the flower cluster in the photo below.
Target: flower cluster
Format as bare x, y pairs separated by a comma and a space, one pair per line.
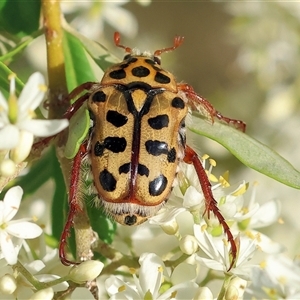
17, 124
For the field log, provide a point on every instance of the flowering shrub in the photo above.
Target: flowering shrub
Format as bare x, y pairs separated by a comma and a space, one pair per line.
180, 253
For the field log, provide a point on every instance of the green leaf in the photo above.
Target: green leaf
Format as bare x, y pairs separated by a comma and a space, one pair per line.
4, 82
78, 71
59, 200
78, 67
104, 226
249, 151
79, 127
9, 56
20, 17
101, 56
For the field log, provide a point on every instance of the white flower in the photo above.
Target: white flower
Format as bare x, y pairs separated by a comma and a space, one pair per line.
13, 231
151, 276
17, 126
252, 216
93, 14
278, 278
217, 252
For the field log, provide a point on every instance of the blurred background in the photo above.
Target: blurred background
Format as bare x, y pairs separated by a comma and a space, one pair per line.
242, 56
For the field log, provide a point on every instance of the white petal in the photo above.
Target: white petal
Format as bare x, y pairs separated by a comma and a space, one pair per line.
35, 266
24, 230
121, 19
184, 272
206, 243
185, 290
267, 214
192, 197
22, 150
151, 272
9, 252
266, 244
165, 216
9, 137
44, 128
112, 285
12, 200
3, 103
211, 264
32, 93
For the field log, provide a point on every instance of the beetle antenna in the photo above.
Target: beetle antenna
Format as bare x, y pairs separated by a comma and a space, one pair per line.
178, 40
117, 38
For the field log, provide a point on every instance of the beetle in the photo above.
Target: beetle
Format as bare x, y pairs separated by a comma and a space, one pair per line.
138, 138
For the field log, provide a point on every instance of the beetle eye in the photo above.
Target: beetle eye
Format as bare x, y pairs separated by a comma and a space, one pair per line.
157, 60
127, 56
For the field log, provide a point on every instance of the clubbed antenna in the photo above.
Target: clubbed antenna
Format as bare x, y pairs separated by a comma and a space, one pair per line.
117, 39
178, 40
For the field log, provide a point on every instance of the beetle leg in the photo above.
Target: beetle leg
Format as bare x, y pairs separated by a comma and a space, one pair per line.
191, 157
203, 106
74, 204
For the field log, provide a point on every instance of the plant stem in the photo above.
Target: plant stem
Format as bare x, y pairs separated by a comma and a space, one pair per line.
55, 57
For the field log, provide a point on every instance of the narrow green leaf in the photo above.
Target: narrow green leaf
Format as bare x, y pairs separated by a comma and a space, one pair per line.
79, 127
4, 82
104, 226
60, 198
78, 71
78, 68
9, 56
249, 151
97, 52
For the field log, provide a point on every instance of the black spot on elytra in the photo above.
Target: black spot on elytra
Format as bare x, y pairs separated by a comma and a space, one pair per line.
153, 63
143, 170
130, 220
140, 71
98, 149
107, 181
178, 103
132, 60
123, 66
156, 147
116, 118
125, 168
171, 157
99, 96
118, 74
158, 185
127, 56
159, 122
161, 78
115, 144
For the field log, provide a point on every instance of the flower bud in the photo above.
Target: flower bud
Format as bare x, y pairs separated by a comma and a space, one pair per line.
203, 293
8, 284
7, 168
188, 244
45, 294
236, 289
86, 271
170, 228
23, 148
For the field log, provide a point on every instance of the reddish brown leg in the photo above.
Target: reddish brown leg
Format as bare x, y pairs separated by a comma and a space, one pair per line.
191, 157
203, 106
74, 204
